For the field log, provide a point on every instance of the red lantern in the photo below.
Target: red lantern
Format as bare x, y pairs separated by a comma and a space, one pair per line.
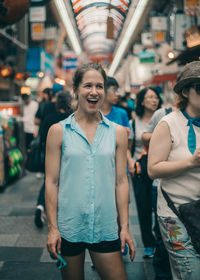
12, 11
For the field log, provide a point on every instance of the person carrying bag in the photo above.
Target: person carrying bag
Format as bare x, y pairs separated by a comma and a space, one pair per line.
174, 156
188, 213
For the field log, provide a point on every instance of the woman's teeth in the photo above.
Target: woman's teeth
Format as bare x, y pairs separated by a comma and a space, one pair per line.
93, 101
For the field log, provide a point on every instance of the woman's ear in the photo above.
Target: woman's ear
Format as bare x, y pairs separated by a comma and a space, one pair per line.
185, 93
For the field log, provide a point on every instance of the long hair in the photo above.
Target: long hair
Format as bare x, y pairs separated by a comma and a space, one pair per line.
139, 110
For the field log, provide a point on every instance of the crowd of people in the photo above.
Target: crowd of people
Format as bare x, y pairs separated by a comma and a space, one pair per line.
97, 151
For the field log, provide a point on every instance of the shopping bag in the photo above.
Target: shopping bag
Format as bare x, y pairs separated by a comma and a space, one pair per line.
35, 157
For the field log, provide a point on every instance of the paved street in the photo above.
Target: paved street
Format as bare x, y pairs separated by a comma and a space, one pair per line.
23, 254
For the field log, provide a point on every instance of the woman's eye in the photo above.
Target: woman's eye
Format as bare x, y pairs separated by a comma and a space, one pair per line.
100, 86
88, 86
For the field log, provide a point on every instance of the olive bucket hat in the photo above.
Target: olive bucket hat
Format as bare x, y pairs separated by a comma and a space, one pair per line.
190, 74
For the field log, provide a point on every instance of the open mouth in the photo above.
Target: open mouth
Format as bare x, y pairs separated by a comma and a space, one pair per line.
92, 100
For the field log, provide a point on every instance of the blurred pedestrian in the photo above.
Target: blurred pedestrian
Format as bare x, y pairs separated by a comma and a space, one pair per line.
46, 98
174, 156
82, 210
148, 101
123, 104
63, 110
110, 111
30, 108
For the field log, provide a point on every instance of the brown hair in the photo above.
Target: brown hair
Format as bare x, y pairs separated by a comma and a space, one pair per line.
180, 100
78, 75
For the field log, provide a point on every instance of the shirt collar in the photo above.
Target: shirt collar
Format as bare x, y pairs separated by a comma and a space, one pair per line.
71, 121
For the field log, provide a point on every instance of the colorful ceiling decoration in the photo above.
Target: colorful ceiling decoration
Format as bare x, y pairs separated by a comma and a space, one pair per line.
99, 24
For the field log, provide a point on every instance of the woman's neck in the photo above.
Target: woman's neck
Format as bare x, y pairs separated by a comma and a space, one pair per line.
106, 108
192, 112
147, 116
89, 118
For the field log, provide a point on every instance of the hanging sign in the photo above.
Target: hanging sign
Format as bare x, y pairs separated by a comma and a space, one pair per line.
37, 14
37, 31
192, 7
181, 24
146, 57
159, 23
110, 28
50, 46
70, 62
159, 36
50, 33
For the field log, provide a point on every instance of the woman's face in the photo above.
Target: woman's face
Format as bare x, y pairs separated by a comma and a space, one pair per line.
91, 92
150, 101
194, 99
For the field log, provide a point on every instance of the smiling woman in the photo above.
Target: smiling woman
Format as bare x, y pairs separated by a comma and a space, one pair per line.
82, 210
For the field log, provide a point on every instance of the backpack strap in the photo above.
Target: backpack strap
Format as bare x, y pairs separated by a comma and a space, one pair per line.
134, 138
170, 203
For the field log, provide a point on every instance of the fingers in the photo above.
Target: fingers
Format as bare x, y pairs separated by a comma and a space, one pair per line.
52, 250
131, 249
122, 245
59, 246
54, 247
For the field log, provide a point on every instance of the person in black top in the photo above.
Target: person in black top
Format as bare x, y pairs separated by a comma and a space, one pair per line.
62, 111
47, 96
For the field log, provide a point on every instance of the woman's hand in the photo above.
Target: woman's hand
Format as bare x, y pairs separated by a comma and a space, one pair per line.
131, 168
125, 237
195, 158
54, 243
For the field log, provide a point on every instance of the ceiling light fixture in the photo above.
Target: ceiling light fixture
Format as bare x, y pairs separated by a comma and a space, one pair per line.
62, 10
128, 34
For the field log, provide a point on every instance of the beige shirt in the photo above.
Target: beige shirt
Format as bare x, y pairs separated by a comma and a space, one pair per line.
29, 116
186, 186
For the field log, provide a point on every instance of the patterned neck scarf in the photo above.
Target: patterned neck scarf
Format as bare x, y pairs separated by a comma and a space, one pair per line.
191, 133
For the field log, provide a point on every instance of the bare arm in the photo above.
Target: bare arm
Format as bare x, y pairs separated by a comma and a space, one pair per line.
52, 164
130, 159
146, 136
159, 149
122, 189
37, 121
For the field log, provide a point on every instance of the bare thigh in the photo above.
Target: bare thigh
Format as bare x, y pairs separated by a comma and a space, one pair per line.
74, 269
110, 266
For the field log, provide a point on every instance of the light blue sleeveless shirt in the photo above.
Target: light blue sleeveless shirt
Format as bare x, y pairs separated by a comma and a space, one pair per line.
86, 197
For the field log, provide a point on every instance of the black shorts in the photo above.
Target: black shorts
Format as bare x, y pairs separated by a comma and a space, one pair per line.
70, 249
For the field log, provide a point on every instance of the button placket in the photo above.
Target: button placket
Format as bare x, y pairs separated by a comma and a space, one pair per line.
91, 189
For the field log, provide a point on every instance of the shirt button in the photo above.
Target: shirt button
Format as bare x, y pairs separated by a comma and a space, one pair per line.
92, 187
92, 204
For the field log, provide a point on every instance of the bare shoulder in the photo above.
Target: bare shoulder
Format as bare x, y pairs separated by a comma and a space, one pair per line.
55, 128
55, 132
161, 128
121, 130
121, 134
